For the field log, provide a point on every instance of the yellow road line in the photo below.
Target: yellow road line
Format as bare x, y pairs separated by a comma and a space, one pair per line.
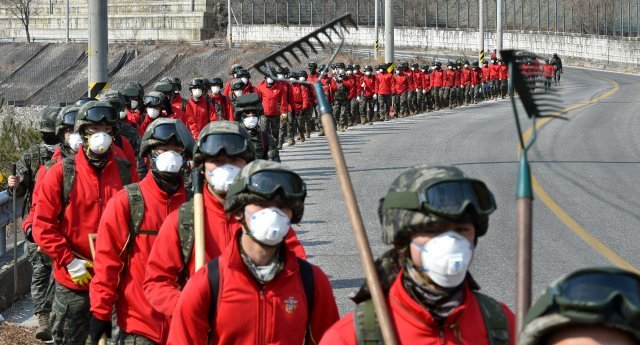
562, 215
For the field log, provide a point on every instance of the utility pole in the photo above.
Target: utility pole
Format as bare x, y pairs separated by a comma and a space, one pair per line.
68, 40
376, 45
499, 27
481, 28
388, 31
229, 34
98, 46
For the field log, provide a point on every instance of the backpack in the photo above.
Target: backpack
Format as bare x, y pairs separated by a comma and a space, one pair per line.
69, 175
368, 330
306, 273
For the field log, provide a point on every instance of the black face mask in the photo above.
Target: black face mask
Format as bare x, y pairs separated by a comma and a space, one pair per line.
50, 138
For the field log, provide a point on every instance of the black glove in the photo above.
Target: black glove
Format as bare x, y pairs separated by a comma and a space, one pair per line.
97, 328
29, 235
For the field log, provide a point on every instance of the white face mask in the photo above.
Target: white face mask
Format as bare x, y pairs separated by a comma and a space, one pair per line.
169, 161
280, 76
250, 122
134, 104
269, 80
449, 67
292, 79
197, 93
379, 71
349, 72
222, 177
446, 258
301, 79
465, 66
215, 90
123, 114
238, 93
245, 80
269, 226
99, 142
153, 113
52, 148
74, 141
413, 68
367, 73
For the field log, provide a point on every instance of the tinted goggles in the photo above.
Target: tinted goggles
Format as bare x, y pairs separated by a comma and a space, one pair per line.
598, 288
69, 118
151, 101
167, 133
448, 198
233, 145
270, 183
102, 114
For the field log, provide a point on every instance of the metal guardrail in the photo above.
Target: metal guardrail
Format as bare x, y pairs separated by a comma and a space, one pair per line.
7, 216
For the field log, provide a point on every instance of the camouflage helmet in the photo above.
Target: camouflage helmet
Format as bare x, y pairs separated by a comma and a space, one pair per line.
114, 97
182, 136
223, 127
398, 223
165, 85
104, 111
237, 84
47, 119
62, 122
239, 196
248, 102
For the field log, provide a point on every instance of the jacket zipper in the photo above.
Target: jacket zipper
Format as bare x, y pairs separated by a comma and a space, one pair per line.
443, 340
261, 312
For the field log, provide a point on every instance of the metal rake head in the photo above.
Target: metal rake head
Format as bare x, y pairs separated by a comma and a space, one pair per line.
313, 42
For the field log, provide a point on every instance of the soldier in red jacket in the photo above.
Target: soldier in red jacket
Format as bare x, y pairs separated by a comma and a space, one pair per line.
467, 83
330, 87
431, 296
305, 118
275, 102
476, 81
301, 101
353, 112
548, 72
234, 74
72, 199
223, 110
133, 94
157, 106
127, 232
356, 115
367, 105
494, 76
223, 148
258, 291
384, 92
427, 100
168, 88
400, 92
503, 75
459, 86
486, 80
199, 110
449, 83
437, 86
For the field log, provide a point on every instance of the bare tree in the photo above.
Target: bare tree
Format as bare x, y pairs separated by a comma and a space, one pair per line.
21, 9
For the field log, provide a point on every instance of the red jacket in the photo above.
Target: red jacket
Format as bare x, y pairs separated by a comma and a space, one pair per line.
467, 77
248, 313
548, 71
198, 114
120, 262
426, 80
476, 76
222, 107
61, 240
503, 72
494, 71
290, 98
415, 325
400, 83
301, 97
486, 74
28, 220
437, 78
274, 98
410, 80
417, 79
166, 274
458, 81
134, 119
330, 87
449, 78
384, 83
353, 86
369, 85
312, 78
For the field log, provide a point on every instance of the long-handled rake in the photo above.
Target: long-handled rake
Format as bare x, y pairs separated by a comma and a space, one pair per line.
538, 104
337, 28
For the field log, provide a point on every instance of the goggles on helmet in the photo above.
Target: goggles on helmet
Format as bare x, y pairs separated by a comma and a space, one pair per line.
269, 183
594, 295
69, 118
101, 114
448, 198
167, 133
151, 101
233, 145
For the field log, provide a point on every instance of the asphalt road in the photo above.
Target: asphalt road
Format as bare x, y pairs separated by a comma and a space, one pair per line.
588, 166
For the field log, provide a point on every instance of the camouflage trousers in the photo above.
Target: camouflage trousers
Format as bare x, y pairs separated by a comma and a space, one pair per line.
305, 122
134, 339
355, 111
341, 111
412, 98
400, 104
70, 316
41, 280
366, 109
270, 124
289, 127
384, 106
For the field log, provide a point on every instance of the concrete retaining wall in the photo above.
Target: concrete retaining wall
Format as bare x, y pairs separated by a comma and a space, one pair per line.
584, 47
6, 278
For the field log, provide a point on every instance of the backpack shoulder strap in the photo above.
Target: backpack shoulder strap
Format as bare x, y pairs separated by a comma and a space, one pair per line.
308, 282
136, 208
123, 167
495, 319
68, 178
213, 268
185, 231
184, 104
366, 324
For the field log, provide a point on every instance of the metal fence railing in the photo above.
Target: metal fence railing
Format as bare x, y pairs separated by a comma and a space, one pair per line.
7, 216
599, 17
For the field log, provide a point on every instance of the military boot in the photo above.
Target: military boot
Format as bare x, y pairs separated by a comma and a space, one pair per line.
43, 332
308, 134
279, 145
321, 132
291, 142
363, 120
301, 137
